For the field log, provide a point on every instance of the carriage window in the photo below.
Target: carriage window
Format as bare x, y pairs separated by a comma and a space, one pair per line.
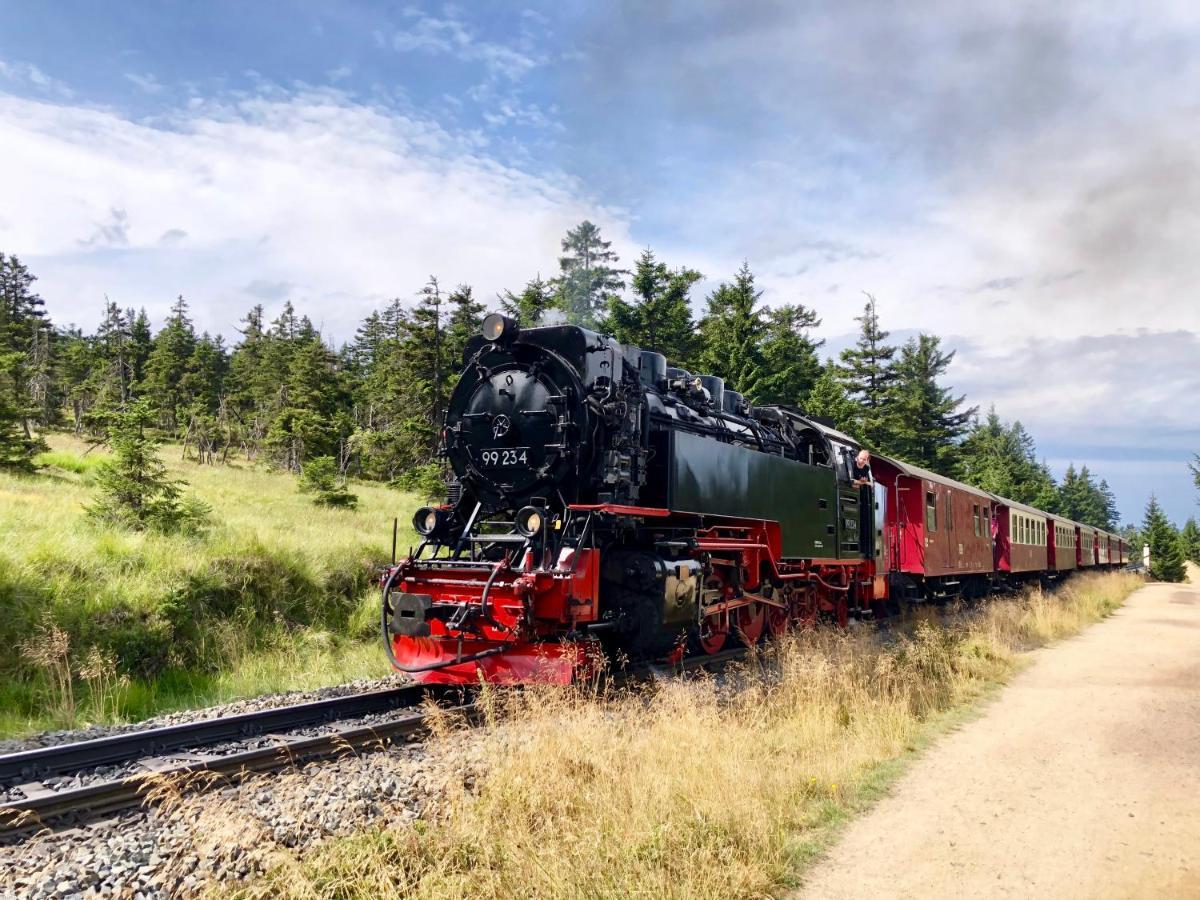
975, 518
930, 511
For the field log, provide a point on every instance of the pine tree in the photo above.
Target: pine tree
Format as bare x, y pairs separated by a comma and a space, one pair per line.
588, 276
868, 370
1194, 467
927, 421
1166, 558
168, 364
22, 321
731, 335
790, 355
1189, 539
828, 399
531, 305
659, 316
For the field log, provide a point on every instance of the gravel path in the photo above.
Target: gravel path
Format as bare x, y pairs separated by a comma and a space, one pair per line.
266, 701
1081, 780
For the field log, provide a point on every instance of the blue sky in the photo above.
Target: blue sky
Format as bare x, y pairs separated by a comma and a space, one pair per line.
1018, 177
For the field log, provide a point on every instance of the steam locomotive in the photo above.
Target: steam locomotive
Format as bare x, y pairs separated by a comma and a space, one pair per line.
605, 504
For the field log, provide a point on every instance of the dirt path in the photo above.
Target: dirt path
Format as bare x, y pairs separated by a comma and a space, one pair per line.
1081, 780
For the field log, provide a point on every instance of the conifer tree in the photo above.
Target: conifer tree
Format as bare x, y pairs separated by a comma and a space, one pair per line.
1002, 459
927, 421
168, 364
321, 478
531, 305
1189, 538
1166, 558
133, 487
588, 275
731, 335
868, 369
22, 319
141, 342
828, 399
311, 420
466, 318
658, 317
790, 355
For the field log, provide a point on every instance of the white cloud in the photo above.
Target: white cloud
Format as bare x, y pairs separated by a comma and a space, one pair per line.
451, 36
23, 74
335, 204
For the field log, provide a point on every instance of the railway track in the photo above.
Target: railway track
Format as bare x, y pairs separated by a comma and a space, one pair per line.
198, 755
207, 750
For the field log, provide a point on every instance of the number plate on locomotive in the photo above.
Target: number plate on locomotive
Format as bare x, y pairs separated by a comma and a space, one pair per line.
504, 458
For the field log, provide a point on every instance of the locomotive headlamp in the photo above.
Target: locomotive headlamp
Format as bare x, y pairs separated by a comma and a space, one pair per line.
529, 521
497, 327
425, 521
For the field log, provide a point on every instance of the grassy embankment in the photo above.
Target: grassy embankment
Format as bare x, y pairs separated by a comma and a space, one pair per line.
687, 789
276, 596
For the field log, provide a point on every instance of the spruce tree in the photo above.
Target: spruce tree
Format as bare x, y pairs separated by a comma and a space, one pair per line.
659, 316
588, 275
828, 399
790, 355
321, 478
1189, 538
531, 305
927, 421
731, 335
168, 364
868, 369
1166, 558
466, 318
141, 342
133, 489
311, 420
22, 321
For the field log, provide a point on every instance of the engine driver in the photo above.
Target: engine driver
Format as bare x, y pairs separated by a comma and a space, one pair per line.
860, 472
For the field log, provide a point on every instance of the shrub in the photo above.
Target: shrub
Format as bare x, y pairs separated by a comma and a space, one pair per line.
428, 481
321, 478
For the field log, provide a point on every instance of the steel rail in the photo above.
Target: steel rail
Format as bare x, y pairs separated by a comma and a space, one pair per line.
57, 808
60, 759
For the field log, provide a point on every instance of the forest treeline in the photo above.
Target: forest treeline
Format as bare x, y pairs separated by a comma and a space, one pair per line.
282, 394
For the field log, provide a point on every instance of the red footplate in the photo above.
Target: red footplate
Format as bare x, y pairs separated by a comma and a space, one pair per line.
516, 663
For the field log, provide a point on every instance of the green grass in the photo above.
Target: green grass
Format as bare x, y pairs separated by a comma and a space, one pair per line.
277, 595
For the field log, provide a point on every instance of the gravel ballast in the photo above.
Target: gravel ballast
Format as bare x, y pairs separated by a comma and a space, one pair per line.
180, 843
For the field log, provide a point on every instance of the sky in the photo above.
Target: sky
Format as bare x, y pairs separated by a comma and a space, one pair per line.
1018, 177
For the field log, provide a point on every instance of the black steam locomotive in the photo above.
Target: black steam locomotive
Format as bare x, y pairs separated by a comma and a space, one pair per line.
606, 503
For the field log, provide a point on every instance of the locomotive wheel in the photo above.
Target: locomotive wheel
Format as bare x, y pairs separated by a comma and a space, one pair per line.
714, 632
778, 621
807, 607
750, 622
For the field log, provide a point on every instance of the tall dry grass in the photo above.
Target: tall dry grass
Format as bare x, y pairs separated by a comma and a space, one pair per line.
701, 788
